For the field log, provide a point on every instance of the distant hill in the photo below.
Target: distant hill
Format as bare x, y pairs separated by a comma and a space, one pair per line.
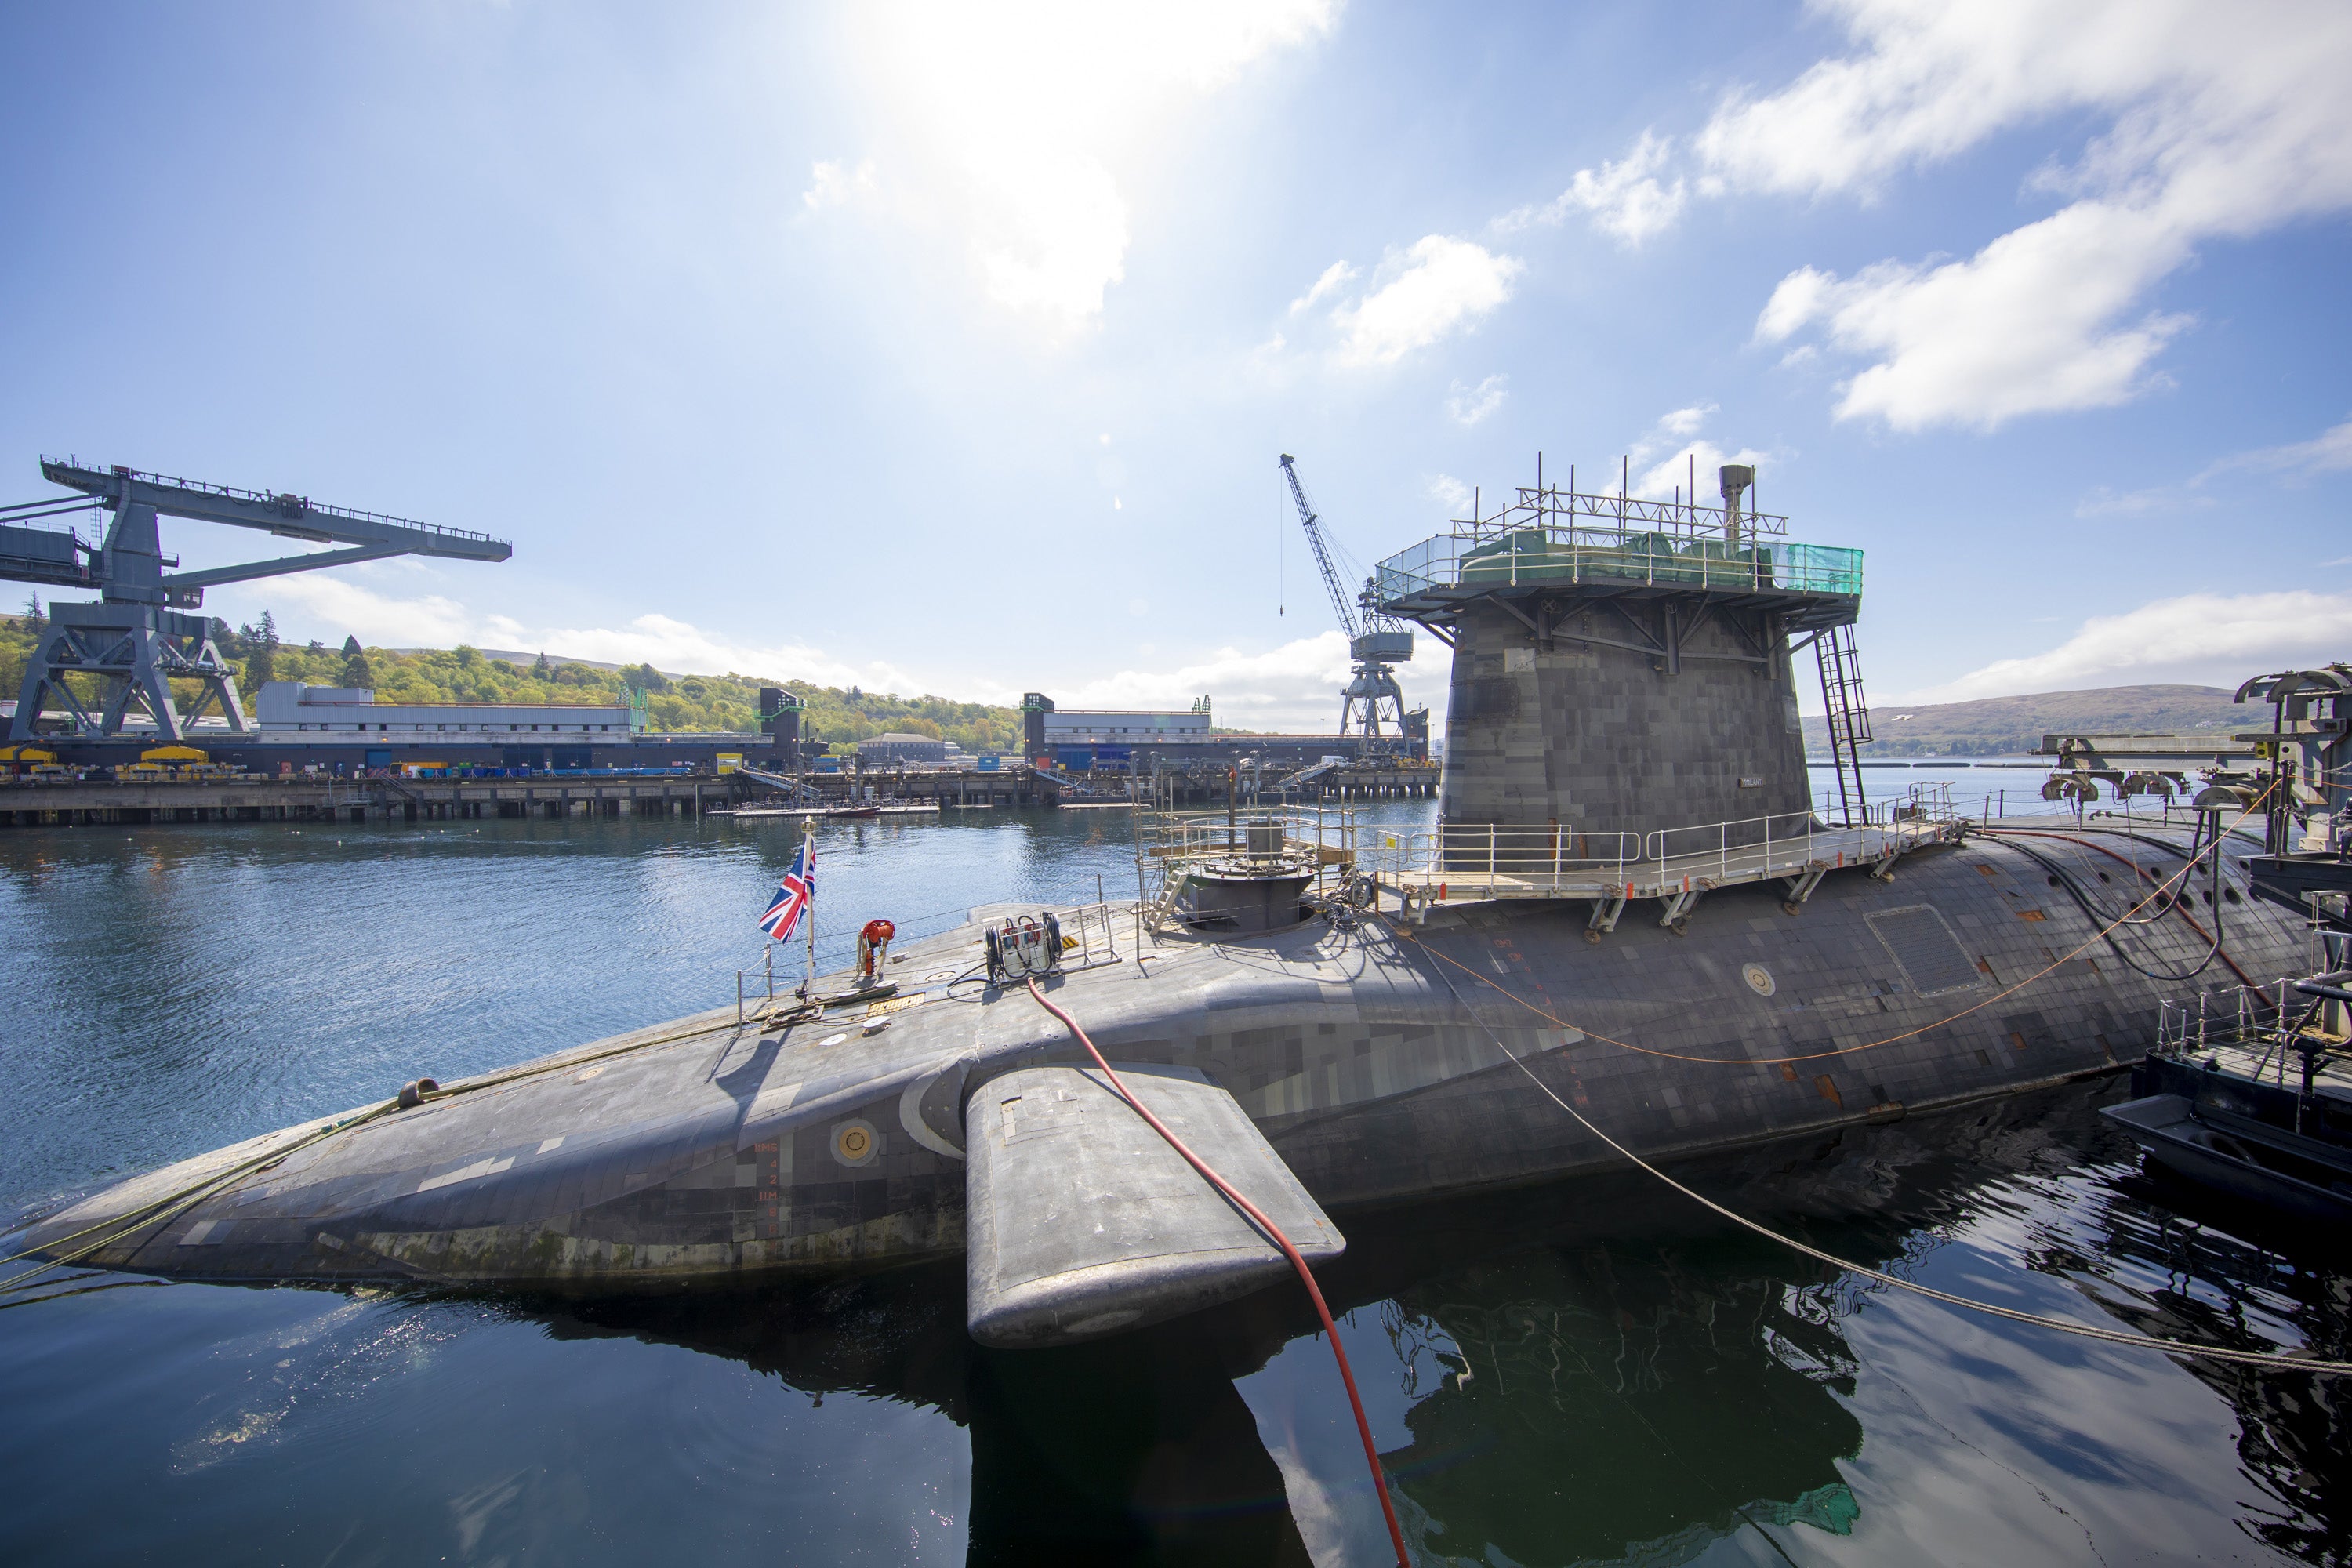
2006, 726
676, 702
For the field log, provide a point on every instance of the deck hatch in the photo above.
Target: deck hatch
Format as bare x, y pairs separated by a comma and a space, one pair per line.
1925, 949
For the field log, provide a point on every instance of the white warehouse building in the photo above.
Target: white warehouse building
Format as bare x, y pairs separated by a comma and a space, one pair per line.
287, 710
1078, 727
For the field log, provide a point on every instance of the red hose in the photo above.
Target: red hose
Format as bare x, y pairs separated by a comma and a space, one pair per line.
1257, 1217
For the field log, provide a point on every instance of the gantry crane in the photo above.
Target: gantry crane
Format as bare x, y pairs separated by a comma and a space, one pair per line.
1375, 642
136, 638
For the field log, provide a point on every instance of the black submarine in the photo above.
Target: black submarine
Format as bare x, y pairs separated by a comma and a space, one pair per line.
1629, 897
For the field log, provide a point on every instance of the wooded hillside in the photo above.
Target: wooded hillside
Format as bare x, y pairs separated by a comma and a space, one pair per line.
727, 702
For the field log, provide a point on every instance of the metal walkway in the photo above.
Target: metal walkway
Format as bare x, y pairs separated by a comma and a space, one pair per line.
1675, 866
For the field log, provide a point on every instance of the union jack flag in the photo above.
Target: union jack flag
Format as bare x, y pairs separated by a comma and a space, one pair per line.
793, 900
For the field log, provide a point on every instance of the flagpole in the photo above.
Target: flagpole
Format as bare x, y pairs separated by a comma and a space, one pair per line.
808, 869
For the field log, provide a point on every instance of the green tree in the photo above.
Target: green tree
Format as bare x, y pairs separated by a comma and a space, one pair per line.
541, 670
356, 672
34, 619
260, 644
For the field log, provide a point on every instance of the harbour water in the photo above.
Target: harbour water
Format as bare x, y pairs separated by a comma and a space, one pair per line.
1594, 1373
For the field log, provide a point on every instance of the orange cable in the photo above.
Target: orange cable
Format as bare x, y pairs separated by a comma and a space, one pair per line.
1273, 1231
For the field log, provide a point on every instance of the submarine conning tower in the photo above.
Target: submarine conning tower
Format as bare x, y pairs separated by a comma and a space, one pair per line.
1622, 667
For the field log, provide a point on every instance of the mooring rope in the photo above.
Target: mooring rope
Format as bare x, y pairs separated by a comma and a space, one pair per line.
2087, 1330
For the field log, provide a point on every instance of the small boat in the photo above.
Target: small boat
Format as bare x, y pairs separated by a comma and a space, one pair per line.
2241, 1155
841, 811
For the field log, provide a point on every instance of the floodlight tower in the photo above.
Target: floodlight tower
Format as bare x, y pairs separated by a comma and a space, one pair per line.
1376, 641
136, 637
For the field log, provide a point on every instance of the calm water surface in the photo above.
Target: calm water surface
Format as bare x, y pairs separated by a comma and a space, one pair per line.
1582, 1374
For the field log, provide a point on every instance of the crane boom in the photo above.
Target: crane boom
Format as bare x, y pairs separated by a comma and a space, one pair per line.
1322, 555
137, 638
1375, 641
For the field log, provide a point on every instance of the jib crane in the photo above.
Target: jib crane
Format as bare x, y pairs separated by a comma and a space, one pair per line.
1376, 642
136, 638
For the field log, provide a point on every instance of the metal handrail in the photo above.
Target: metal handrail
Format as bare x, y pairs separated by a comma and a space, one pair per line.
1476, 854
1471, 858
263, 498
1537, 552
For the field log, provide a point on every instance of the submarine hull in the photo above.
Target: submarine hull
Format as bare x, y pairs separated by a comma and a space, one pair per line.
1372, 1060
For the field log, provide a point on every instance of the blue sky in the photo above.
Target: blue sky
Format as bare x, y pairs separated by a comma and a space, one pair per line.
951, 349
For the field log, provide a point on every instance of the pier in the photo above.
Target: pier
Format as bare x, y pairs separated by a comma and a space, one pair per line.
96, 801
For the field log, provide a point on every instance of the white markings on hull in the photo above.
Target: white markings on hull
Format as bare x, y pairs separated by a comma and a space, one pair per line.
486, 1166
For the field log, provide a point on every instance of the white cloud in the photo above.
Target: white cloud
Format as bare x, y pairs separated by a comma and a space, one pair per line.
1691, 474
1685, 421
2329, 452
2107, 501
1449, 492
1294, 687
1467, 405
2028, 326
1335, 276
1667, 463
1439, 286
836, 184
335, 606
1004, 124
2216, 125
1625, 198
2204, 639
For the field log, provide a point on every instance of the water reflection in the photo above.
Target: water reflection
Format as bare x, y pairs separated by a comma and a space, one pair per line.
1591, 1373
1610, 1403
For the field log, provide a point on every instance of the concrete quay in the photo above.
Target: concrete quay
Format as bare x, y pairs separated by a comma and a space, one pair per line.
96, 803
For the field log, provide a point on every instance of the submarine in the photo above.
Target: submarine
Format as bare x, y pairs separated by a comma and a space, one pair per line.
1629, 905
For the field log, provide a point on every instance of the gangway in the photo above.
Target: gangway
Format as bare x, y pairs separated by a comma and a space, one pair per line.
1308, 774
786, 785
137, 638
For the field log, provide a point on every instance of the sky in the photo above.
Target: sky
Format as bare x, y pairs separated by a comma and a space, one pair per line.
951, 349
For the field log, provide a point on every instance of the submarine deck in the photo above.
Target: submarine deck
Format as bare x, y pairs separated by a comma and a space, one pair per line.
1496, 863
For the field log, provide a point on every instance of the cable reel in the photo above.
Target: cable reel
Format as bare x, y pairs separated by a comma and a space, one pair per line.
1024, 945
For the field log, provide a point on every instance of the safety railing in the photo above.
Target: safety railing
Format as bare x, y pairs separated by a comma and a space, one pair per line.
1320, 840
1485, 858
1324, 835
2243, 1017
265, 498
1552, 553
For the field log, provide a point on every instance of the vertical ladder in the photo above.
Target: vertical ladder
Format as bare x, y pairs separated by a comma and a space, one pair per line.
1849, 716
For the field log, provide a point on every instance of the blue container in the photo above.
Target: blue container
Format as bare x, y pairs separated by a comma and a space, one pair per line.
986, 765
